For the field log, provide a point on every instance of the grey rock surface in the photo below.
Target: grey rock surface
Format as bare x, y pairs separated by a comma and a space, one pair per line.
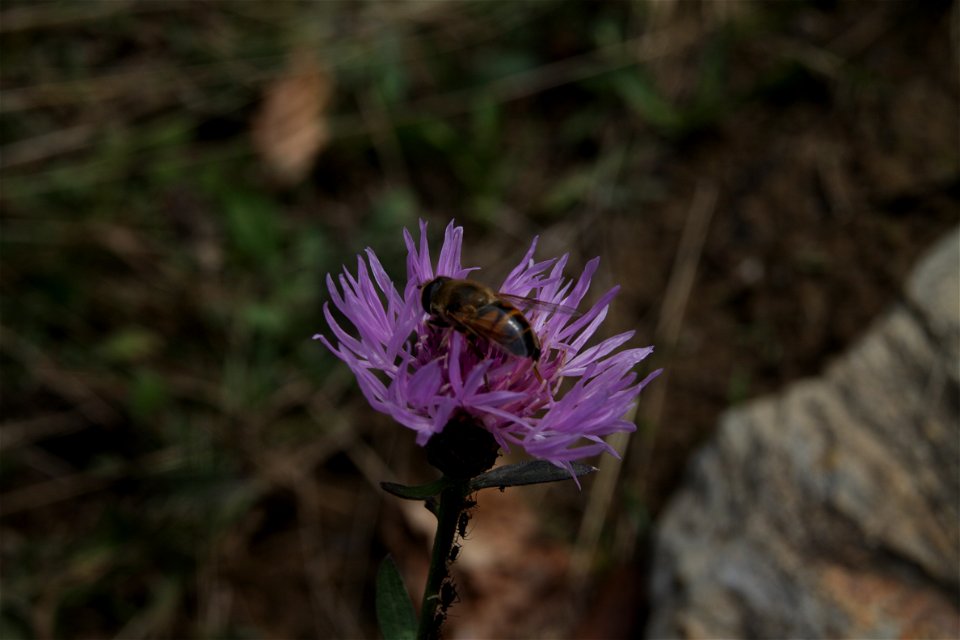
832, 509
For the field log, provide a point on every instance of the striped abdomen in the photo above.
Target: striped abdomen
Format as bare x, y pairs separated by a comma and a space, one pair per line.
508, 327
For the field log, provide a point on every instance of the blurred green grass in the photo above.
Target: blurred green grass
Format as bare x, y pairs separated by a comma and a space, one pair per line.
159, 288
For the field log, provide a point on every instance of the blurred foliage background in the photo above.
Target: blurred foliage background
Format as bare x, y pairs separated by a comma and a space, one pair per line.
179, 459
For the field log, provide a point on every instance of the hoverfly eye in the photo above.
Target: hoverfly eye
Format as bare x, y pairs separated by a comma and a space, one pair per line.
427, 291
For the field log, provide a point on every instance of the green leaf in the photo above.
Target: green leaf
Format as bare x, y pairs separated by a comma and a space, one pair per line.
394, 609
253, 225
148, 394
264, 317
531, 472
640, 93
419, 492
130, 344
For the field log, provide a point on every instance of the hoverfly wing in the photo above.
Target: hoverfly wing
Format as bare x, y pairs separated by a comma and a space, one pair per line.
502, 326
475, 325
532, 304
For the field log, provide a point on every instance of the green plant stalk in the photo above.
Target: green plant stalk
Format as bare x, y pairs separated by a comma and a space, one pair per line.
452, 503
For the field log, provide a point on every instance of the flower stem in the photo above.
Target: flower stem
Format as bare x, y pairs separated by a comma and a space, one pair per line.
453, 500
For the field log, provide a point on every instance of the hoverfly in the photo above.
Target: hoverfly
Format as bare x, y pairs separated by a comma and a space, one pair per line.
477, 311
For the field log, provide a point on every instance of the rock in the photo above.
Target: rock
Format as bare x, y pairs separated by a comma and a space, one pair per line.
831, 510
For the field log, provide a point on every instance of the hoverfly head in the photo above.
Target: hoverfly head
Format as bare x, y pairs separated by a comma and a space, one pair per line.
429, 291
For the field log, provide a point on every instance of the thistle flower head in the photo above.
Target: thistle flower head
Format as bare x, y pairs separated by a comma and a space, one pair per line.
423, 375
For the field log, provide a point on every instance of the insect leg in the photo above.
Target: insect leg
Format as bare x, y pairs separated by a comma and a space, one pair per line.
536, 372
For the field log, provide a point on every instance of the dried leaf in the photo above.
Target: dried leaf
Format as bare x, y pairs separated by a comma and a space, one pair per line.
290, 128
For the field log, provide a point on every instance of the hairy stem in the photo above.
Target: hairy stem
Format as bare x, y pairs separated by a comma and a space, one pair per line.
453, 500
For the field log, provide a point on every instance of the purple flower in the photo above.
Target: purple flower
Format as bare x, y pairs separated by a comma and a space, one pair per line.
421, 375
